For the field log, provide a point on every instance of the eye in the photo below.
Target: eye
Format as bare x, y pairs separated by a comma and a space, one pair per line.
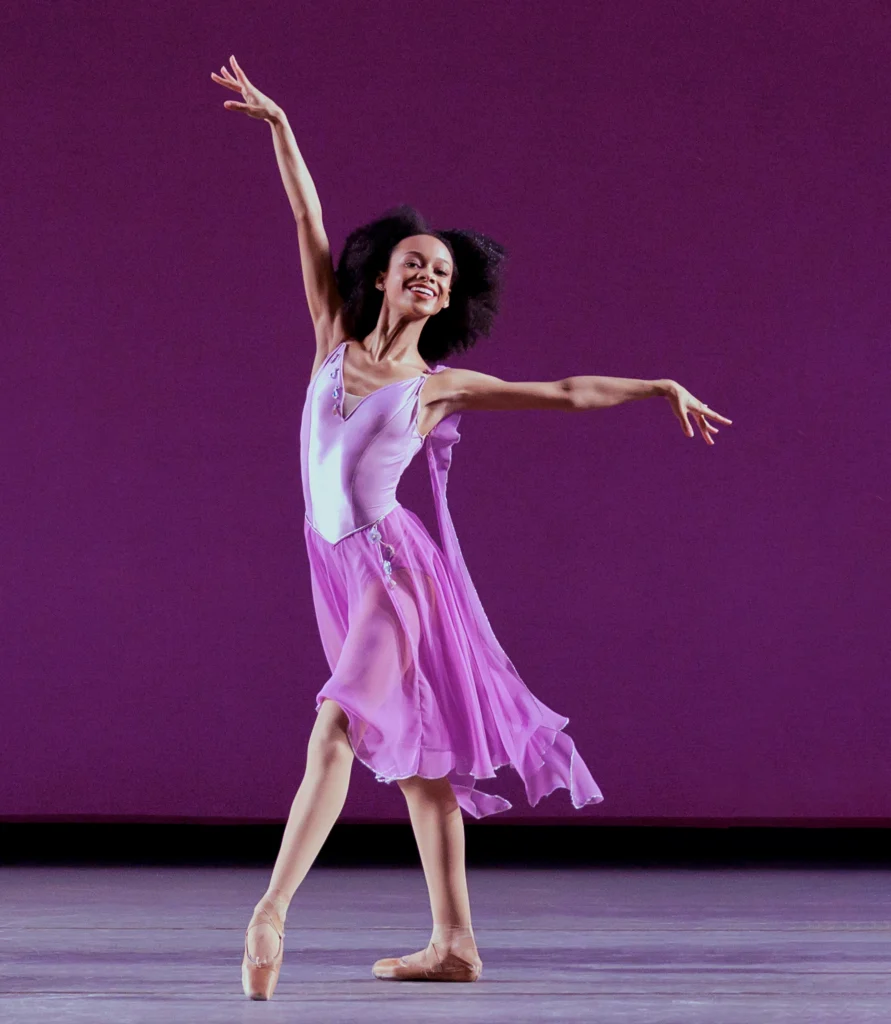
440, 271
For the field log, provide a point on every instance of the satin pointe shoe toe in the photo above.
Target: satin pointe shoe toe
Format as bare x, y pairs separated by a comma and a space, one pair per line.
259, 975
428, 966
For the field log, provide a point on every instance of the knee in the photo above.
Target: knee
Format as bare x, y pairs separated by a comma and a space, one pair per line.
437, 791
329, 739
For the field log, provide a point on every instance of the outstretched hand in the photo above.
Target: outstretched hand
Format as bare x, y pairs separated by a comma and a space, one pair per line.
683, 402
256, 104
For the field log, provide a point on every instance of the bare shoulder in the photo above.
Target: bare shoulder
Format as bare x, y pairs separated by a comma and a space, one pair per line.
438, 400
441, 385
471, 389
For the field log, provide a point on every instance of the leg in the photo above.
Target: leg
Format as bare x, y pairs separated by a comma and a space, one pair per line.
439, 830
317, 805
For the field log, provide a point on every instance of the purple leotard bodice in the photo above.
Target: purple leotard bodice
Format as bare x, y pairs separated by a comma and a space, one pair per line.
351, 462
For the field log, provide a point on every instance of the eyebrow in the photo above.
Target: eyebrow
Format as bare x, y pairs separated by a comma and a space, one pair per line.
414, 252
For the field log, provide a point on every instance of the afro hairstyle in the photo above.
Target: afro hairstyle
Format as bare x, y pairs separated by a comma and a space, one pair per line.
475, 291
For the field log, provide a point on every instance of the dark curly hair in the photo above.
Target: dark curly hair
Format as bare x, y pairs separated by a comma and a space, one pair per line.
477, 268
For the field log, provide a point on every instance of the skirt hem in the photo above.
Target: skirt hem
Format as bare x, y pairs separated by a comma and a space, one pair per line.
581, 787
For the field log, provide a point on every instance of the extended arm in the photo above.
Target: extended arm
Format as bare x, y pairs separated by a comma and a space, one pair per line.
475, 390
468, 389
602, 392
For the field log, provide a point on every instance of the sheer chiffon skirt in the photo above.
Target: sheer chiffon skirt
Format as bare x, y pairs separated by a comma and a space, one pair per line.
424, 683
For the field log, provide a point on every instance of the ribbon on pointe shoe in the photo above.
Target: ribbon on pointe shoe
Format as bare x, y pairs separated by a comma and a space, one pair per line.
430, 965
265, 909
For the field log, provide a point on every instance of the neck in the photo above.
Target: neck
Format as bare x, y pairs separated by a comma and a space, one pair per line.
394, 339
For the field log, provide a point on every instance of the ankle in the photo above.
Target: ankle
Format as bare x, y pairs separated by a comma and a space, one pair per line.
451, 935
279, 899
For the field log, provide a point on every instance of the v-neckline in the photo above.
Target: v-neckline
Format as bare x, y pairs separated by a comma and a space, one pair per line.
362, 398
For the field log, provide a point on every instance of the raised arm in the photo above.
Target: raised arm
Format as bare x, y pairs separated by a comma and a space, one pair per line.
468, 389
322, 296
323, 299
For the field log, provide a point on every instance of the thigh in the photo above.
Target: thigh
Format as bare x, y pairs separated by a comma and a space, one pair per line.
377, 662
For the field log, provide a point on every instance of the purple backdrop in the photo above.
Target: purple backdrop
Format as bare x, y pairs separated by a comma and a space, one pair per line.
687, 190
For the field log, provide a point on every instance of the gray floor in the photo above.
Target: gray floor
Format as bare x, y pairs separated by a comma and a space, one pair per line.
598, 945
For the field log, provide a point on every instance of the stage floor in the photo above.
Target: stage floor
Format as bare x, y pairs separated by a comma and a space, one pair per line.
600, 945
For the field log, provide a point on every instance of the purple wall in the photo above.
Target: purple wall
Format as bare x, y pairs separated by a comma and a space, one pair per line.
687, 190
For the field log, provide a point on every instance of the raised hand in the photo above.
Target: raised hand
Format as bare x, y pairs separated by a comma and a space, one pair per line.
683, 402
255, 103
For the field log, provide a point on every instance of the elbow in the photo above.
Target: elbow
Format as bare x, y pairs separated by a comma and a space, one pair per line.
571, 396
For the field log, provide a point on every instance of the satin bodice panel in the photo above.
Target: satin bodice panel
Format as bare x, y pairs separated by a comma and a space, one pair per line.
352, 459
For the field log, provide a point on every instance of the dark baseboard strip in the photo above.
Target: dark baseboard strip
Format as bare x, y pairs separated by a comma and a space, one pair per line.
532, 844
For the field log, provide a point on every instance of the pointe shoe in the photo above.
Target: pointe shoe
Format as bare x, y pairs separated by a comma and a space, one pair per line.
451, 967
259, 976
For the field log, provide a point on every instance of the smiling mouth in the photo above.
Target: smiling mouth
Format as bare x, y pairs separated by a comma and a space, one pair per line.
424, 294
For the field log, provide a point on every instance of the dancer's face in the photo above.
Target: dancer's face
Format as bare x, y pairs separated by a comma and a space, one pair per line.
418, 260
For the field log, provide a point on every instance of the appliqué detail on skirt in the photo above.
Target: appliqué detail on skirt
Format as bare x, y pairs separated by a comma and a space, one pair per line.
387, 562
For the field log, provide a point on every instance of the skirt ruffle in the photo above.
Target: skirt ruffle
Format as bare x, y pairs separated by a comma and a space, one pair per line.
426, 687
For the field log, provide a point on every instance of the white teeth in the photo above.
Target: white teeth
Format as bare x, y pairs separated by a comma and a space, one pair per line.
422, 291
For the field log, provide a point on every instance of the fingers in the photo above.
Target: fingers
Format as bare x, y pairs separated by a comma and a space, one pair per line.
230, 83
705, 411
683, 403
238, 82
233, 105
685, 423
242, 77
705, 427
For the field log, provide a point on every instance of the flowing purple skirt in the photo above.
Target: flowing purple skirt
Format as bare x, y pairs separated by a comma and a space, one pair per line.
415, 665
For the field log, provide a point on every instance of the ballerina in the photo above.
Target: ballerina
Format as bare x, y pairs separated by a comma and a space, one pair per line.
420, 691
